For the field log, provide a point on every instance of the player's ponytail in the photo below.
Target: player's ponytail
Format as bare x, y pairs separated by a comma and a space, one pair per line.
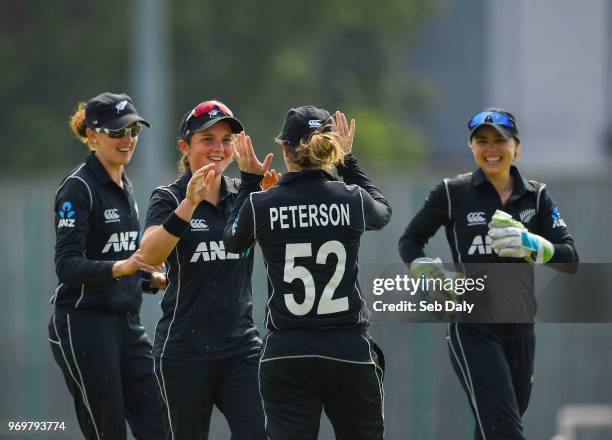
77, 123
321, 150
183, 164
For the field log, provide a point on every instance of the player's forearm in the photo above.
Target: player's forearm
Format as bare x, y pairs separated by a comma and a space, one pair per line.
77, 269
157, 244
565, 258
160, 240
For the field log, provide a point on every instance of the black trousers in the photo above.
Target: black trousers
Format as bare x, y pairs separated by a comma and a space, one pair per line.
295, 390
107, 364
189, 388
494, 363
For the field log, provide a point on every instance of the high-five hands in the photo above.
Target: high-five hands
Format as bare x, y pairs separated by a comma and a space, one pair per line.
199, 184
346, 132
270, 179
245, 156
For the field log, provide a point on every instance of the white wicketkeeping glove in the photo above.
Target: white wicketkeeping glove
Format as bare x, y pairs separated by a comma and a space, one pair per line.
512, 239
434, 269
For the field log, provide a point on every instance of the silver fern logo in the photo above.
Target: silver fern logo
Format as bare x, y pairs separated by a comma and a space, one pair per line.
526, 215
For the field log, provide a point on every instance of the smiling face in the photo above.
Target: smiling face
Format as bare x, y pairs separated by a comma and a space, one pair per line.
493, 153
212, 145
111, 151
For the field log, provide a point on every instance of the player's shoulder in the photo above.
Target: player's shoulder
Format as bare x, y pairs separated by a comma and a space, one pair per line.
172, 192
460, 180
77, 182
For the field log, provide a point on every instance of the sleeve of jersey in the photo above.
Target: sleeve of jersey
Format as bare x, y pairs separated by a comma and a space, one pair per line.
376, 208
424, 225
162, 203
375, 213
553, 228
239, 233
72, 211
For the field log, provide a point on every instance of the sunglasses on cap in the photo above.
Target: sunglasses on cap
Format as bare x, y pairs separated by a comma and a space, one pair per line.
134, 131
492, 117
211, 107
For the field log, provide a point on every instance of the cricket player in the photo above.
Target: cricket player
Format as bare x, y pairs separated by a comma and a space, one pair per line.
492, 216
318, 354
95, 333
206, 344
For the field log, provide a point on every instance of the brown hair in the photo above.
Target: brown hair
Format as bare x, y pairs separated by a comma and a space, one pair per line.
321, 150
77, 124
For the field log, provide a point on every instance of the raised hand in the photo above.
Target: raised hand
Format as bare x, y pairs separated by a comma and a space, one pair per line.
270, 179
346, 132
245, 156
199, 184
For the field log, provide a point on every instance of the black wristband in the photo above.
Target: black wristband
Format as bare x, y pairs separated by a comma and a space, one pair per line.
175, 225
145, 280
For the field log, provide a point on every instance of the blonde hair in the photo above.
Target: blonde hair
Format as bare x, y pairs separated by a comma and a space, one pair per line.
322, 149
77, 125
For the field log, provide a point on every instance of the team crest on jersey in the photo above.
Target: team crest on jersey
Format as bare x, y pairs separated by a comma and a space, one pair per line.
121, 241
66, 215
526, 215
199, 225
111, 216
481, 245
556, 218
476, 218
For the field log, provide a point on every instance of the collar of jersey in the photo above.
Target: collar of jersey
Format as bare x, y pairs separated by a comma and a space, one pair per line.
102, 175
520, 184
227, 186
318, 174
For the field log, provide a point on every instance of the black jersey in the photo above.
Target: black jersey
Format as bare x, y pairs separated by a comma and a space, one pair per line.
207, 306
309, 228
96, 224
465, 205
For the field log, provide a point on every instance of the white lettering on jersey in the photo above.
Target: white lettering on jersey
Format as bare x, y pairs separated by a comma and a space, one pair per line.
213, 250
484, 246
307, 216
121, 241
66, 223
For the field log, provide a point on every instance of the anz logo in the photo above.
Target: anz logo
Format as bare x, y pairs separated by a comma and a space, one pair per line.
121, 241
481, 245
215, 250
66, 215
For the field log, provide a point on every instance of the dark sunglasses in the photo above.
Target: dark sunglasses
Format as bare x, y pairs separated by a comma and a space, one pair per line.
491, 117
208, 107
134, 131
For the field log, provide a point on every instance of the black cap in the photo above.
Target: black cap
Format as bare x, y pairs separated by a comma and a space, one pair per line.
301, 122
508, 131
205, 115
111, 111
